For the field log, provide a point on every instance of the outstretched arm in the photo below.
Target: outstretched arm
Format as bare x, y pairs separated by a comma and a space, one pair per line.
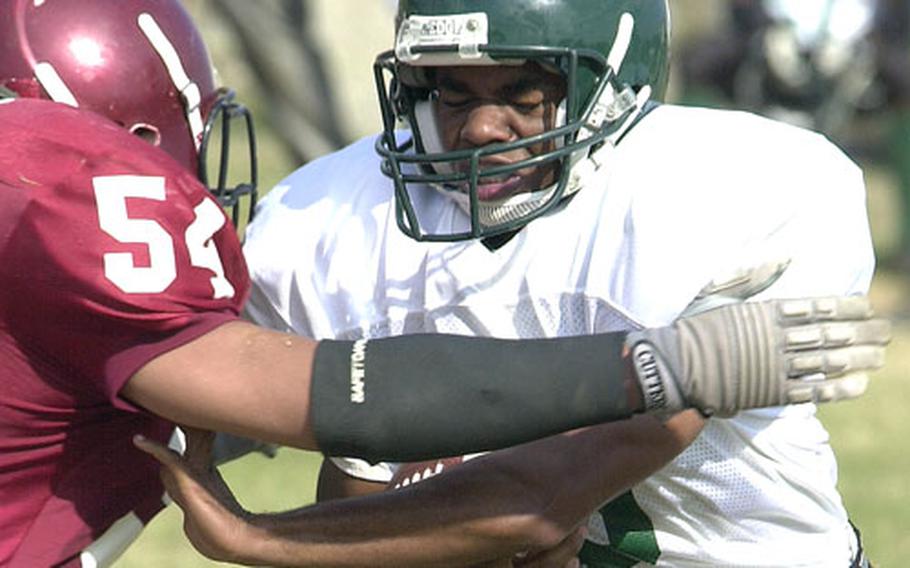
492, 507
369, 400
364, 399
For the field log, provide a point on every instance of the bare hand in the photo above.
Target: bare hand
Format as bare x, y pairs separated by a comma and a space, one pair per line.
199, 454
212, 518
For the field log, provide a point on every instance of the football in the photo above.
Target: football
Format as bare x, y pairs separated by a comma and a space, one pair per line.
414, 472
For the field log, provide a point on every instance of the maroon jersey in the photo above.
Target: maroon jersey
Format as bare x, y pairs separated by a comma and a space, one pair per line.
110, 254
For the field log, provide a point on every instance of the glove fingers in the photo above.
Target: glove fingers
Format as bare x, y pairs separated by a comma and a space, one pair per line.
862, 332
847, 308
844, 388
821, 365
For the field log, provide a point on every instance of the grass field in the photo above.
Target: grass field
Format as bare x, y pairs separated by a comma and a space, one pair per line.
262, 484
870, 436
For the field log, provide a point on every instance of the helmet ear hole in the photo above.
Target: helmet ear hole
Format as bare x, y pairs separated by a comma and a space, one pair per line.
147, 132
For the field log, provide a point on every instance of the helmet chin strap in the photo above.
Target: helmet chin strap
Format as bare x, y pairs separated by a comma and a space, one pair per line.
592, 168
621, 108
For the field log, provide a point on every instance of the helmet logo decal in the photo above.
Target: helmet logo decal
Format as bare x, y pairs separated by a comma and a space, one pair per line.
54, 85
467, 31
188, 89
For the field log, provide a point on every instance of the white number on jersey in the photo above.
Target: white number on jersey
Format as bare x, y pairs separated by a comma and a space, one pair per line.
111, 193
203, 252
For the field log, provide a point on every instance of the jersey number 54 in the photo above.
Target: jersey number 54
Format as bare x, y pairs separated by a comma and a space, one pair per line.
111, 193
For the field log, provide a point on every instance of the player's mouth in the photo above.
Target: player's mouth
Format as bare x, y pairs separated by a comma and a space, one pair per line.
506, 184
500, 187
509, 183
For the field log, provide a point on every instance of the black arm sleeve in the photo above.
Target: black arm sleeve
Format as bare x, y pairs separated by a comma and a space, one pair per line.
418, 397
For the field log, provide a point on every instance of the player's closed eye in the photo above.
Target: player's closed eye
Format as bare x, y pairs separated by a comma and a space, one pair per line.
454, 101
529, 107
459, 102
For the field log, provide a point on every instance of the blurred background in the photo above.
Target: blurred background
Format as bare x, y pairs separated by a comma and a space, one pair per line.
841, 67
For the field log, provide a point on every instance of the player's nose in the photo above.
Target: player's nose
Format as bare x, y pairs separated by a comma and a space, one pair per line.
487, 124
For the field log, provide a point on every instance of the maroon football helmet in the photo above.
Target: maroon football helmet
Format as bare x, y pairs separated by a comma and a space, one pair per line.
141, 63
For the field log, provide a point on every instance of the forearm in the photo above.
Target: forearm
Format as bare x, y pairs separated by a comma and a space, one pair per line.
448, 397
528, 497
410, 401
736, 357
603, 462
414, 527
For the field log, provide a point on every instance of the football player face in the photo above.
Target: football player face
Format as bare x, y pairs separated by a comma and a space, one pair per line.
481, 105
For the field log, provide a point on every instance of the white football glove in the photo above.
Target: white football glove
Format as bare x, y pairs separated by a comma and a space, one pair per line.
760, 354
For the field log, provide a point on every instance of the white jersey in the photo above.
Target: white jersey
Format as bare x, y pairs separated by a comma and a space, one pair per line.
690, 194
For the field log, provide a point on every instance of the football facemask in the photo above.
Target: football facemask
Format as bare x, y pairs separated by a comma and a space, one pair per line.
610, 70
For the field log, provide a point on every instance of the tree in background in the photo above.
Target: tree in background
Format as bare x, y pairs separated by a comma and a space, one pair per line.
284, 58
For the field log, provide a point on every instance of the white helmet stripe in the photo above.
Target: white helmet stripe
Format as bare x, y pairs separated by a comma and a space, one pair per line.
188, 89
622, 41
54, 85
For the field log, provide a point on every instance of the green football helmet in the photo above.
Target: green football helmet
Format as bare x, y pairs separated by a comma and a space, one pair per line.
612, 55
